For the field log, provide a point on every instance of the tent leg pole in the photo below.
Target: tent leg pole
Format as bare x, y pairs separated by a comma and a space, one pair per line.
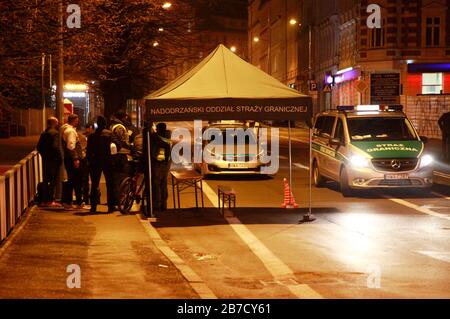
309, 217
290, 162
149, 172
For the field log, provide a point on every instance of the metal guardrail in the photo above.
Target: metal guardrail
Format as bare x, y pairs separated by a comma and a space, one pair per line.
17, 189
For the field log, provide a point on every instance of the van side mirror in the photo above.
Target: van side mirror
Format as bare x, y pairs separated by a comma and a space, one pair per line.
424, 139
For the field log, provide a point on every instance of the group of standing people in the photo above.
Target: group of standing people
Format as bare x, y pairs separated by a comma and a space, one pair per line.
105, 148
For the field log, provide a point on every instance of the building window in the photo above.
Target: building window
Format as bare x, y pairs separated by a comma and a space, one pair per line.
378, 36
432, 83
433, 31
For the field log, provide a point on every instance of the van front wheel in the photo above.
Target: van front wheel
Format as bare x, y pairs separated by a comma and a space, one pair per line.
345, 188
319, 180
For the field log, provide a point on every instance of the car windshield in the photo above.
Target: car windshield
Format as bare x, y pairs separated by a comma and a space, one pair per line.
236, 135
380, 129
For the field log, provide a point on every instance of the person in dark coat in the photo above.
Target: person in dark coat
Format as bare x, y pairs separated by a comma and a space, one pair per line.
48, 147
160, 149
120, 160
100, 161
444, 124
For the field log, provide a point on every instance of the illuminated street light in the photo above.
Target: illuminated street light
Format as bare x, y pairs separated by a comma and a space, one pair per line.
256, 39
167, 5
161, 29
293, 21
155, 44
233, 49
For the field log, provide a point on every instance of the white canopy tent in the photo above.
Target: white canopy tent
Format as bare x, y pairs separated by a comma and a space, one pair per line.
225, 87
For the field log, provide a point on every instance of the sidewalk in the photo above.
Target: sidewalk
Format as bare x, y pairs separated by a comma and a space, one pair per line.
116, 256
442, 170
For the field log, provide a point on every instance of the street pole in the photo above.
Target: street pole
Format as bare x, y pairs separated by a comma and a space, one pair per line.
59, 114
269, 44
309, 217
60, 78
42, 90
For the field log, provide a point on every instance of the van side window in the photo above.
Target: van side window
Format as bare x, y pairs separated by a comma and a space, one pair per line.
327, 127
339, 131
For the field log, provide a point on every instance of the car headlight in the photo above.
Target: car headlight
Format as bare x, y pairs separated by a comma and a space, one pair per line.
426, 160
359, 161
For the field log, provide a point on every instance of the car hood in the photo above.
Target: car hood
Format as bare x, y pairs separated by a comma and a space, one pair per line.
391, 149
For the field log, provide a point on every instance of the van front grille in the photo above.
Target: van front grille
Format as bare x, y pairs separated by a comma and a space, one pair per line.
395, 165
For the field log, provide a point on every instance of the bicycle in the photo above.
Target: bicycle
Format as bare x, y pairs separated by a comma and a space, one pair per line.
131, 189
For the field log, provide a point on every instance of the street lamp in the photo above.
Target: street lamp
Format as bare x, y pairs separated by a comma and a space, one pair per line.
167, 5
233, 49
256, 39
293, 21
155, 44
160, 29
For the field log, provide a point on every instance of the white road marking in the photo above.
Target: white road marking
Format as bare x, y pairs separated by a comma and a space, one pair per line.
441, 174
441, 196
304, 141
301, 166
442, 256
191, 276
279, 270
420, 209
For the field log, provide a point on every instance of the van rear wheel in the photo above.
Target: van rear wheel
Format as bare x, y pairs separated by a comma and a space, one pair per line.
344, 185
319, 180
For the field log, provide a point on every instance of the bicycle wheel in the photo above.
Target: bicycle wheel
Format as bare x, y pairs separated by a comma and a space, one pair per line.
127, 193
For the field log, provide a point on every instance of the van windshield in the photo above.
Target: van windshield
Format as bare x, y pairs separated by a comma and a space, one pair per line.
380, 129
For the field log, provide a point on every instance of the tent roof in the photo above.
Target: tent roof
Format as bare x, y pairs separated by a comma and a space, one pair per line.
224, 86
221, 75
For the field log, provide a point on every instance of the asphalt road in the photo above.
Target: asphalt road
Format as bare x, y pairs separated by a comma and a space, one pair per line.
380, 244
377, 245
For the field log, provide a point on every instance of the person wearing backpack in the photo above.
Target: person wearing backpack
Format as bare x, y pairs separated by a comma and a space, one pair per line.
122, 151
48, 147
160, 150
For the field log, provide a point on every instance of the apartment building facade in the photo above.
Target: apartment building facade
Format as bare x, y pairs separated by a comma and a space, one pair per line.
342, 61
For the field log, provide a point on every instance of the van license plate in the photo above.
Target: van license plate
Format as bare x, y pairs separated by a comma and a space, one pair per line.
396, 176
238, 165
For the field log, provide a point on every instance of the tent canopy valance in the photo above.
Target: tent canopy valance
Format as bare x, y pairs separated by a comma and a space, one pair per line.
222, 87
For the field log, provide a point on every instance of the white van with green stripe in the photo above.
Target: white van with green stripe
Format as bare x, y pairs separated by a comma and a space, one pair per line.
368, 147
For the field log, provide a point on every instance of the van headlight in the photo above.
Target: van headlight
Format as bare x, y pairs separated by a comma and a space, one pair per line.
359, 161
426, 161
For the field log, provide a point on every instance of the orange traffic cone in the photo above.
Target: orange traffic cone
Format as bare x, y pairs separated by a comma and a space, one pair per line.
289, 200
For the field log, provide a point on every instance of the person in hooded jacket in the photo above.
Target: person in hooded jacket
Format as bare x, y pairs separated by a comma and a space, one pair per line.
100, 161
160, 150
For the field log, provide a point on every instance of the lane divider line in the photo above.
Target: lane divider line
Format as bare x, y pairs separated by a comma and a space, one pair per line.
442, 256
194, 280
441, 174
420, 209
279, 270
301, 166
440, 195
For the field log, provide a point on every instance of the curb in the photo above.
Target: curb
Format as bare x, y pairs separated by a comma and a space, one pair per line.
193, 279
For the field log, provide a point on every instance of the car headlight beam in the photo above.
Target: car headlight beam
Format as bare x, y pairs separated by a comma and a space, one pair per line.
359, 161
426, 161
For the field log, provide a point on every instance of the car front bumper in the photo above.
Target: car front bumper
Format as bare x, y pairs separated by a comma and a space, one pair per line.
366, 178
232, 168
